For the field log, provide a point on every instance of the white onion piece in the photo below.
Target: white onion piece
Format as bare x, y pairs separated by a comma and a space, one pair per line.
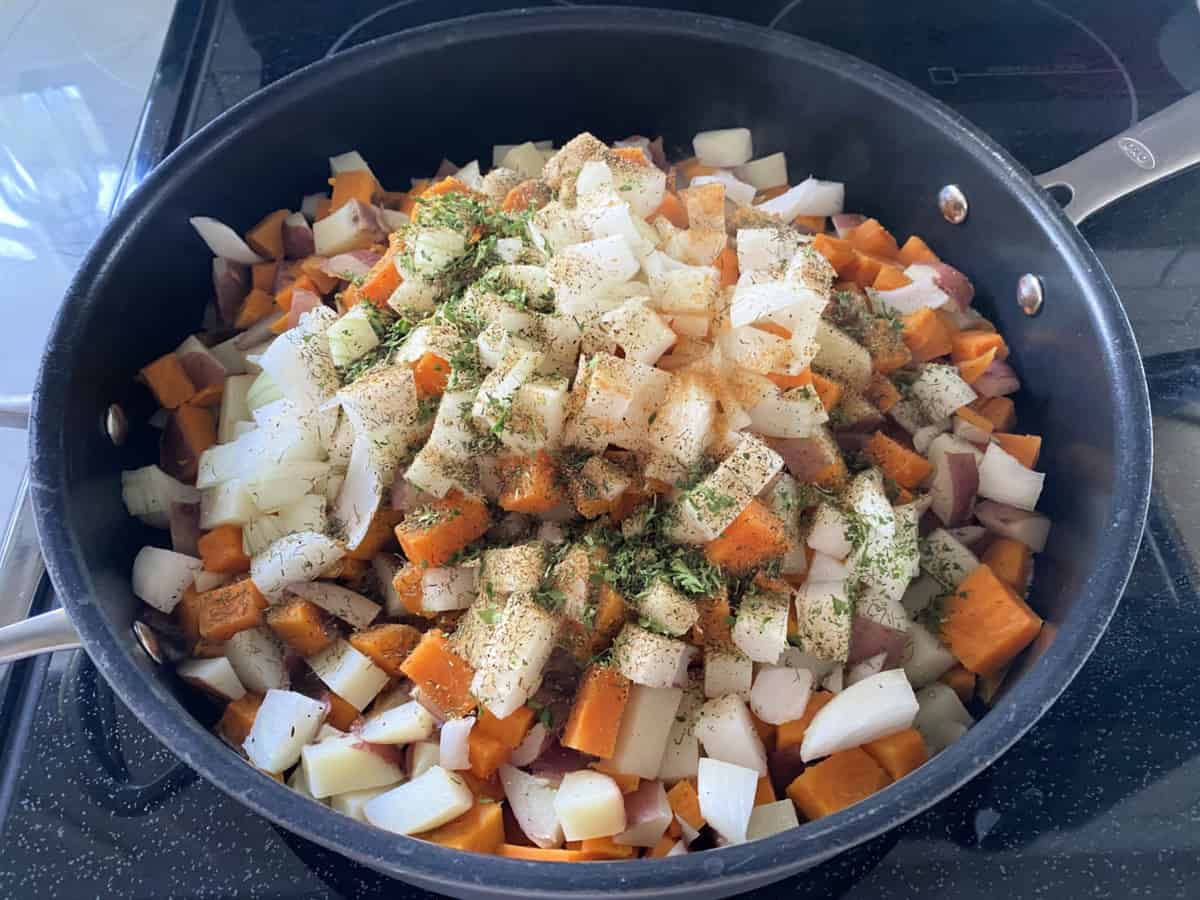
285, 722
727, 797
922, 292
1003, 479
741, 193
828, 534
727, 732
969, 431
293, 559
825, 568
780, 694
942, 718
349, 606
861, 671
149, 493
531, 747
926, 659
161, 576
809, 198
874, 708
454, 745
445, 589
532, 802
223, 241
1030, 528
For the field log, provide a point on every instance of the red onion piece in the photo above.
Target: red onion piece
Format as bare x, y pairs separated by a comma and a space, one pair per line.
557, 760
256, 334
1030, 528
843, 223
184, 519
204, 369
805, 458
954, 283
231, 282
784, 766
998, 380
445, 170
302, 301
869, 638
298, 240
351, 264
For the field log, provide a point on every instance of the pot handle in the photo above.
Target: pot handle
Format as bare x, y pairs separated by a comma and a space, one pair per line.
21, 567
1153, 149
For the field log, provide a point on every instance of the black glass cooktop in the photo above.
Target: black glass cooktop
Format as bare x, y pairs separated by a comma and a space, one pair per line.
1101, 799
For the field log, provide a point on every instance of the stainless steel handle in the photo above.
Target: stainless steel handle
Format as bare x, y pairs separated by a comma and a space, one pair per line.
1153, 149
38, 634
21, 571
14, 410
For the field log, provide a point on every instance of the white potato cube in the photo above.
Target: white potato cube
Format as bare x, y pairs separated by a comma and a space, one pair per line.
432, 799
423, 756
727, 670
511, 666
780, 693
760, 628
341, 764
589, 804
764, 172
401, 724
645, 727
646, 658
668, 609
285, 722
349, 674
724, 148
653, 815
771, 818
352, 803
683, 747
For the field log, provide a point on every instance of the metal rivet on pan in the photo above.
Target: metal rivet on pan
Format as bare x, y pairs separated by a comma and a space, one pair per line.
953, 204
1029, 294
148, 641
116, 425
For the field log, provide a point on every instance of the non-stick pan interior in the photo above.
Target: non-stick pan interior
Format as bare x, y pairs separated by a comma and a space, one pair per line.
453, 90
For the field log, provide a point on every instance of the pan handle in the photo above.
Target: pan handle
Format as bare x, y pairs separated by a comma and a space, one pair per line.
1153, 149
21, 571
14, 410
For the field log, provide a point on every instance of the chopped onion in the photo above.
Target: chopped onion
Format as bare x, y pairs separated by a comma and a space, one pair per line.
969, 431
1003, 479
998, 380
531, 747
954, 283
454, 745
297, 237
223, 241
727, 797
149, 493
826, 568
926, 659
185, 528
1030, 528
844, 223
349, 606
724, 147
531, 800
828, 533
874, 708
445, 589
869, 638
780, 694
727, 732
293, 559
809, 198
350, 265
922, 292
872, 665
953, 488
161, 576
942, 718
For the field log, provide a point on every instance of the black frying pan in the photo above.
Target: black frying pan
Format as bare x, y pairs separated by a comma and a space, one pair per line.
456, 88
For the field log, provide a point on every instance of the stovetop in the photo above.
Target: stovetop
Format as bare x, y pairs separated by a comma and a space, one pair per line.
1101, 799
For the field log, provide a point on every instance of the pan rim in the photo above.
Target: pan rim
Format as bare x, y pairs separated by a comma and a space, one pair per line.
733, 868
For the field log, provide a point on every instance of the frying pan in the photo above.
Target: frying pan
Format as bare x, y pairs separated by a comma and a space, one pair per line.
454, 89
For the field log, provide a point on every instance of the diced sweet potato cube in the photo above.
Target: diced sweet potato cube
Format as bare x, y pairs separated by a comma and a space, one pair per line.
838, 781
230, 608
169, 381
237, 720
221, 550
388, 645
301, 625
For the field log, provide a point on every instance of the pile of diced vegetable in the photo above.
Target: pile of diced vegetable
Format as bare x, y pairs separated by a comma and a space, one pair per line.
594, 508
